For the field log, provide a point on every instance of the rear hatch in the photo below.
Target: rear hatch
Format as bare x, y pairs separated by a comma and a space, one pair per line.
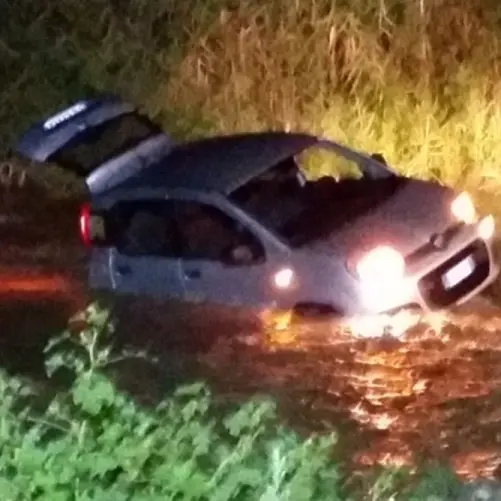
103, 140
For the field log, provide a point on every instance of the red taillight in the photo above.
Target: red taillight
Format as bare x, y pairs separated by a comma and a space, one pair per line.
85, 235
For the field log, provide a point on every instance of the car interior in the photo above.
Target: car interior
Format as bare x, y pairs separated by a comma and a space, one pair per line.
191, 230
184, 229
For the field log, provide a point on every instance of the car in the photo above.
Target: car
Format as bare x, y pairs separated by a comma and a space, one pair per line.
237, 220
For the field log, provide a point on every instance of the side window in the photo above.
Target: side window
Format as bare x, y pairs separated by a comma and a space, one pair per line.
146, 228
208, 233
319, 161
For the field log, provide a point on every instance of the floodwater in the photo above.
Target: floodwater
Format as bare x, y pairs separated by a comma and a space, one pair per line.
433, 390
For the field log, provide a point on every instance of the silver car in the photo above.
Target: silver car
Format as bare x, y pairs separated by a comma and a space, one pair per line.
234, 220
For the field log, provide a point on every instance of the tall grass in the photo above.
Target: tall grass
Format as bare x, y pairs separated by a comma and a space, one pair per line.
414, 79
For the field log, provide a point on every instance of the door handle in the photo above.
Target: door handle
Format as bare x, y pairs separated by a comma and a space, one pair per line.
124, 269
192, 274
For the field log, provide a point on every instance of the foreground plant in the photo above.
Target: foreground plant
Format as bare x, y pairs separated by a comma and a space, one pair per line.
94, 443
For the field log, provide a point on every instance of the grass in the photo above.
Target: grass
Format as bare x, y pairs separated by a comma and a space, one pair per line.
418, 81
419, 90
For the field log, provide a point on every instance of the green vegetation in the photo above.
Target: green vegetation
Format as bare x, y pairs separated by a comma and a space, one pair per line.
88, 441
419, 81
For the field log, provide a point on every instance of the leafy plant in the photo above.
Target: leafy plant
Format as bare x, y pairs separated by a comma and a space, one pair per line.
93, 442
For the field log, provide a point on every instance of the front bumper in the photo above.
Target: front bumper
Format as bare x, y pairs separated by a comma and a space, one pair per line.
423, 284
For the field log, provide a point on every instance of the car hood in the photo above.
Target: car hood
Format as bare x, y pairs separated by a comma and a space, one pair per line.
402, 212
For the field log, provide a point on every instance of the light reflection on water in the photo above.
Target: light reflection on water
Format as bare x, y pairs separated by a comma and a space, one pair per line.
431, 387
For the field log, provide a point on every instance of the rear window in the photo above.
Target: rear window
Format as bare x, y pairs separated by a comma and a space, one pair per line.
88, 150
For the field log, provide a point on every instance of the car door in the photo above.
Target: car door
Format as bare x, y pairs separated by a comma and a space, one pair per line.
102, 141
211, 268
145, 260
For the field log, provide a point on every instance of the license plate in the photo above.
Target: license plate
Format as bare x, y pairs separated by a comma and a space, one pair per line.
458, 272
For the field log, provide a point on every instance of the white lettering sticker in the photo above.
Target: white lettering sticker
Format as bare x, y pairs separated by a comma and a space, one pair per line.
64, 115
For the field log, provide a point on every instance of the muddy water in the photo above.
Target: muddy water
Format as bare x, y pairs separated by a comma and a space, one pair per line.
433, 391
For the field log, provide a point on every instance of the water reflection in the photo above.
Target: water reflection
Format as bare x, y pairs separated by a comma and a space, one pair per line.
429, 390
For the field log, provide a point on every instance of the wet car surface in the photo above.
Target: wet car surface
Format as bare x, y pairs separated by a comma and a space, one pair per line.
433, 391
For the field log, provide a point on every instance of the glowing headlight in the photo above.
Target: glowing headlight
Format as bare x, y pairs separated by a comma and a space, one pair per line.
487, 227
381, 264
463, 208
383, 284
283, 278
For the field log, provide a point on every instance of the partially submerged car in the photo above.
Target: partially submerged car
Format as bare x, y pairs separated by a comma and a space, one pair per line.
235, 220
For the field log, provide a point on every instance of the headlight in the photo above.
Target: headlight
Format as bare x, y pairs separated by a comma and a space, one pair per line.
383, 283
381, 264
487, 227
463, 208
283, 278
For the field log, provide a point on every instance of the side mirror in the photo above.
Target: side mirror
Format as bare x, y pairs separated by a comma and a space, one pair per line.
379, 158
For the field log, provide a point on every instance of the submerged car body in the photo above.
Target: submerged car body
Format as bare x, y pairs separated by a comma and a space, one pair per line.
234, 220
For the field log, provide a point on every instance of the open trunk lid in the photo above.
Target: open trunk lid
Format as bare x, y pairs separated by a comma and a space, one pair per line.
103, 140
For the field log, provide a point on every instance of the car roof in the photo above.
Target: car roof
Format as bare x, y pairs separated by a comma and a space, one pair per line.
220, 163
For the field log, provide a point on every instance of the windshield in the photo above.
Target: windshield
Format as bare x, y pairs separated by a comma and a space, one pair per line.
96, 145
292, 198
